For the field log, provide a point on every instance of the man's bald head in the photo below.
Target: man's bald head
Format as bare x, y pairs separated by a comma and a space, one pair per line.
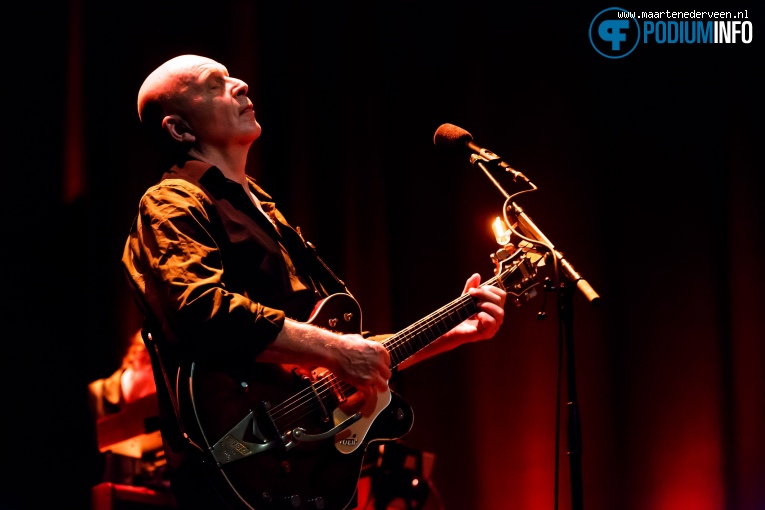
163, 92
192, 103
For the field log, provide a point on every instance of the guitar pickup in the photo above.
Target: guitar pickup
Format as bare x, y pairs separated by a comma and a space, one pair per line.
323, 381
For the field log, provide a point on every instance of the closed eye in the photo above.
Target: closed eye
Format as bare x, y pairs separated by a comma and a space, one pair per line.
215, 80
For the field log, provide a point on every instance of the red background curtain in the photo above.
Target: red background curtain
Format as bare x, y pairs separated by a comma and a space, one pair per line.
649, 171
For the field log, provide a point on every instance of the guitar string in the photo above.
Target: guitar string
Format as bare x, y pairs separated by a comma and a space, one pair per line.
307, 397
457, 304
424, 324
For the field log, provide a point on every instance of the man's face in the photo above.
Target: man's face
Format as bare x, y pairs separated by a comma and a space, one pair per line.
216, 106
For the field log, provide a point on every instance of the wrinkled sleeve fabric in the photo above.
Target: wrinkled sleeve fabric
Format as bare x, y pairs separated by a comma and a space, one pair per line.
175, 265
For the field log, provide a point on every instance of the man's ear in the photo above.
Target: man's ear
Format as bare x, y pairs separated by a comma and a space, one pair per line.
178, 129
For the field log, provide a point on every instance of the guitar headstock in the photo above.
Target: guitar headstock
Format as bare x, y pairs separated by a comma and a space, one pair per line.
516, 271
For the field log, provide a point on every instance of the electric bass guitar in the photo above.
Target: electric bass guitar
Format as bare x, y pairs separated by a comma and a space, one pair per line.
281, 438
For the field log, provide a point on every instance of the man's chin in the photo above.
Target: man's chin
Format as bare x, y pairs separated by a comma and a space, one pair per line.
257, 131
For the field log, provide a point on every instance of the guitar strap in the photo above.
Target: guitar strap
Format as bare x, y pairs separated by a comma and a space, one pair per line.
159, 366
327, 278
149, 331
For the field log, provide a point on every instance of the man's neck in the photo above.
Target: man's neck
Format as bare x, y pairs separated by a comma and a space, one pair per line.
231, 162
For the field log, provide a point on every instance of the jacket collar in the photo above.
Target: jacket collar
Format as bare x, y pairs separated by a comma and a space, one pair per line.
193, 170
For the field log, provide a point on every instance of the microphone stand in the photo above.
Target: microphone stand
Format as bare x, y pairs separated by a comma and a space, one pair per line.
565, 290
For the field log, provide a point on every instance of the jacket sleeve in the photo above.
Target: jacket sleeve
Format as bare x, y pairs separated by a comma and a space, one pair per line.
176, 268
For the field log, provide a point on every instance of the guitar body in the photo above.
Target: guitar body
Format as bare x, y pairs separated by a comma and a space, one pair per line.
278, 437
265, 426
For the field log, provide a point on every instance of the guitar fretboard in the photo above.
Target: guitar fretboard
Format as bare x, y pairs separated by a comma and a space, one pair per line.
422, 333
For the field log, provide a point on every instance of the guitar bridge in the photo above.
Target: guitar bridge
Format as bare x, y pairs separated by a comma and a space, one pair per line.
263, 409
322, 408
329, 383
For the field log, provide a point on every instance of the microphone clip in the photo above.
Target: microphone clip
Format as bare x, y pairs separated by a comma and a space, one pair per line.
487, 157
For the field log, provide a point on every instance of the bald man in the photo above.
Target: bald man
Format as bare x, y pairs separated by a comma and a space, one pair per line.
226, 284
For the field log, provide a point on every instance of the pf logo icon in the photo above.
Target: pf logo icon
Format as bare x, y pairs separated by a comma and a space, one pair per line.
614, 32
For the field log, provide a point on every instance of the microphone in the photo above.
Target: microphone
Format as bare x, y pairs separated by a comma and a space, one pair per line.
449, 135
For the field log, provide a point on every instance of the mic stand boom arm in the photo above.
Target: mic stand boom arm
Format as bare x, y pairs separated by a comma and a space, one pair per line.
530, 229
566, 316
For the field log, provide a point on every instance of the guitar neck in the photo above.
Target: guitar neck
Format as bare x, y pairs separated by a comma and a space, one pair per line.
422, 333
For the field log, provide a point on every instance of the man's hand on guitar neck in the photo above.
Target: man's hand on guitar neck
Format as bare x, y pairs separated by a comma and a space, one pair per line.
491, 305
481, 326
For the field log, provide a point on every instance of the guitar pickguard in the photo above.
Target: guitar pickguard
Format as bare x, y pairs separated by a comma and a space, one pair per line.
370, 408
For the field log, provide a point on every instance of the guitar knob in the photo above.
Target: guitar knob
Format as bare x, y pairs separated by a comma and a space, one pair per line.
332, 323
347, 317
318, 503
294, 500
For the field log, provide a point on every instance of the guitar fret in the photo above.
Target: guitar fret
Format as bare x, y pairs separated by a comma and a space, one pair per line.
430, 334
420, 334
424, 332
405, 347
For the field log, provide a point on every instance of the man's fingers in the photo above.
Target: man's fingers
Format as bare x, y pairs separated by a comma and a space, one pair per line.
472, 282
489, 294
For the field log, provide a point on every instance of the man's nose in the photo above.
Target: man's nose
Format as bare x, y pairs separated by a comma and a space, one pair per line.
240, 88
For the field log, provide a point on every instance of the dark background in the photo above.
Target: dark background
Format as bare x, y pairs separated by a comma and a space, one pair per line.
649, 171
